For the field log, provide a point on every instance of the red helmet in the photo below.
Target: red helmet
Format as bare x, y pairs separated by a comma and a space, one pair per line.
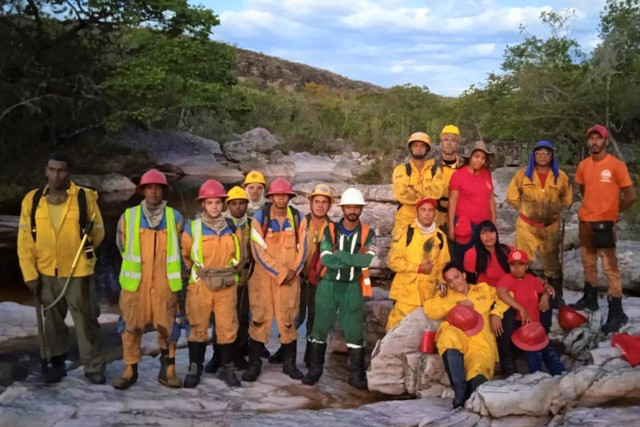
281, 186
569, 318
629, 346
465, 318
153, 176
530, 337
211, 189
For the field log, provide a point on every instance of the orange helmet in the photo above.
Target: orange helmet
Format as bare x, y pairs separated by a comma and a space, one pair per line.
211, 189
530, 337
569, 318
465, 318
281, 186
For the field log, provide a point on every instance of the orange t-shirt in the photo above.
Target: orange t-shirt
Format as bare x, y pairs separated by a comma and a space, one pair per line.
602, 182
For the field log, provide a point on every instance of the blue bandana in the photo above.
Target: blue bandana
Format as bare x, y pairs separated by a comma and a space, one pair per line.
532, 161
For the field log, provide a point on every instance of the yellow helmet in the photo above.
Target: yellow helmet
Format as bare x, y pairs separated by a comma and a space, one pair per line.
237, 193
254, 177
421, 137
452, 129
321, 190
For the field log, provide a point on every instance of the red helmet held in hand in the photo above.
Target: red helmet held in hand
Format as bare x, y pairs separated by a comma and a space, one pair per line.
530, 337
465, 318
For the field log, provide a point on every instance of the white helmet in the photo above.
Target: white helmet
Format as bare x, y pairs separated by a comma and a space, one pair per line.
352, 196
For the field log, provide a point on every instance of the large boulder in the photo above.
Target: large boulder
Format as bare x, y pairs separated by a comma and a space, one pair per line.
108, 183
251, 144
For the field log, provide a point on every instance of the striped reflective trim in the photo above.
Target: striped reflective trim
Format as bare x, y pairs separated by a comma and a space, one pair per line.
132, 258
257, 238
172, 258
325, 253
98, 226
174, 276
131, 274
367, 281
354, 345
22, 226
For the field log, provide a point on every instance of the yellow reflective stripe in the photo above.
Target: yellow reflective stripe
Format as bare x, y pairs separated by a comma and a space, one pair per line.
131, 274
174, 265
131, 258
173, 258
173, 276
196, 248
257, 238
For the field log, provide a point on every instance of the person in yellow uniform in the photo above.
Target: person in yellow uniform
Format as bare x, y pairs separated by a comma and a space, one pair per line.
469, 356
255, 185
540, 192
148, 237
211, 249
414, 180
279, 248
448, 162
52, 221
417, 259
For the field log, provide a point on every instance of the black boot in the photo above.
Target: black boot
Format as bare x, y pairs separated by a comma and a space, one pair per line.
589, 300
505, 353
357, 375
616, 317
196, 359
212, 365
454, 365
127, 379
238, 360
276, 358
557, 300
255, 364
226, 372
474, 383
57, 371
167, 375
307, 356
289, 360
97, 378
316, 361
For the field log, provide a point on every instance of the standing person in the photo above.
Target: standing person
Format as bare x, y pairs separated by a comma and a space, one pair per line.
148, 237
211, 249
602, 178
448, 162
539, 193
279, 247
417, 259
52, 223
471, 195
255, 186
320, 201
469, 355
346, 252
414, 180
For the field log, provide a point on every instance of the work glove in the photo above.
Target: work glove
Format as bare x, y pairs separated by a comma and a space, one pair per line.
180, 322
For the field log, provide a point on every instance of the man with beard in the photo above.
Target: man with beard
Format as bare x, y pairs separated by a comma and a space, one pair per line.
148, 237
346, 252
254, 184
414, 180
602, 178
52, 223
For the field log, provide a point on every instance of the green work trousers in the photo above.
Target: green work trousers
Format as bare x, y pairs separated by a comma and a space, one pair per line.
80, 300
342, 301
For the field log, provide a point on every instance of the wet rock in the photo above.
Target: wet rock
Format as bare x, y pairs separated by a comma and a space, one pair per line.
588, 417
108, 183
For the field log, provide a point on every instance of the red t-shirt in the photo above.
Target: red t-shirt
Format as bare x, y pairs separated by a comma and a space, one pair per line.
525, 292
543, 178
602, 183
494, 270
475, 191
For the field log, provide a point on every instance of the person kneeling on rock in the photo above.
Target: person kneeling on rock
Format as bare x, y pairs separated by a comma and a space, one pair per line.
211, 249
528, 296
466, 337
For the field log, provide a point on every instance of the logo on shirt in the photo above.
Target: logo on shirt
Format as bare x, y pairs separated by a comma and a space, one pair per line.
489, 186
605, 175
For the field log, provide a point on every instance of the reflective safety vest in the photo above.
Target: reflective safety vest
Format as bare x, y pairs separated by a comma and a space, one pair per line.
131, 270
196, 250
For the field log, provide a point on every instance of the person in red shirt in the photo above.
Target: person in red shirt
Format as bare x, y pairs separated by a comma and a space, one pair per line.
602, 178
528, 296
471, 195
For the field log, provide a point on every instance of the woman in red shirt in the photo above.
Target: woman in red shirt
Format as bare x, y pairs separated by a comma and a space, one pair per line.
471, 194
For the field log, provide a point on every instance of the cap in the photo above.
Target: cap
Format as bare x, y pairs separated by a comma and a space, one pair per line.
423, 200
599, 129
518, 256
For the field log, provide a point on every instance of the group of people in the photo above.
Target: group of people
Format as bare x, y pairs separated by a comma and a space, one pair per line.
448, 258
249, 257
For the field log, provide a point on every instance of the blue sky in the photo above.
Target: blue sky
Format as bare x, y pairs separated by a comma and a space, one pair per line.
445, 45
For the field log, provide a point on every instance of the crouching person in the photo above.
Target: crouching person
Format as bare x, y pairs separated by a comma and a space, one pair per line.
211, 249
466, 337
346, 254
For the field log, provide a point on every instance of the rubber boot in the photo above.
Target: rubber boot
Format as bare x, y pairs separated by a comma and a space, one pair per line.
265, 353
616, 317
57, 371
505, 352
97, 378
226, 372
276, 358
213, 364
316, 362
289, 352
558, 300
357, 376
454, 365
167, 375
128, 377
589, 300
255, 364
238, 360
474, 383
196, 359
307, 356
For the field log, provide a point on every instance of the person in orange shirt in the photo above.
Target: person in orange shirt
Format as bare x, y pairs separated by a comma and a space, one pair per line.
602, 178
211, 249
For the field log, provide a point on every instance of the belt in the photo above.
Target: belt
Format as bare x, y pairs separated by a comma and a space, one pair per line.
533, 223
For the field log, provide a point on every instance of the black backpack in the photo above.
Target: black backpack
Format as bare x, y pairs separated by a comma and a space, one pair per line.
82, 208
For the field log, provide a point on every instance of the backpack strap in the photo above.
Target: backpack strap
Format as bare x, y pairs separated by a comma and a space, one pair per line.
407, 168
265, 218
440, 235
82, 208
34, 205
410, 231
232, 225
434, 169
